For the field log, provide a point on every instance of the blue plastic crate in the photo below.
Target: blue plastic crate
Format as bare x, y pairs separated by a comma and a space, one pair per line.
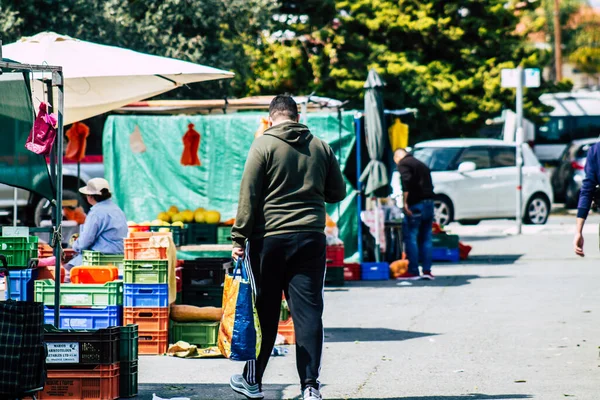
444, 254
86, 318
138, 295
21, 283
375, 271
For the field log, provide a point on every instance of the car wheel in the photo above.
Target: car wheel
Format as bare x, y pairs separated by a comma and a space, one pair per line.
43, 209
471, 222
443, 210
537, 211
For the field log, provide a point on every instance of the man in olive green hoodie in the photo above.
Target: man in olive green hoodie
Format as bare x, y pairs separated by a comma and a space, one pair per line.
289, 176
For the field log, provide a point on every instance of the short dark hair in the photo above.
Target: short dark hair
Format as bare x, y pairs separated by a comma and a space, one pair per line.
104, 196
283, 106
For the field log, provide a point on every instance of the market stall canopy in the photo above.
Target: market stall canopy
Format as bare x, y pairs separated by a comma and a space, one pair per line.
224, 106
101, 78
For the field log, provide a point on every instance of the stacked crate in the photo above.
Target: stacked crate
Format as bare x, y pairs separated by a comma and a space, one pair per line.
82, 364
286, 324
334, 274
202, 281
18, 251
82, 306
129, 361
445, 248
146, 289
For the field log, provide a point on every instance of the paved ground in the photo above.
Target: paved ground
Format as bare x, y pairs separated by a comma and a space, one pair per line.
521, 320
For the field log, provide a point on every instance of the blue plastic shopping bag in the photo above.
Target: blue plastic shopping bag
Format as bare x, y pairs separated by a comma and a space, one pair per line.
240, 336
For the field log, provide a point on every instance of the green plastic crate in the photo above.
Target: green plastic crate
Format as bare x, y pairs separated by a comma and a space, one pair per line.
224, 235
145, 271
73, 295
201, 334
129, 343
97, 258
285, 312
128, 379
18, 250
445, 241
201, 233
334, 276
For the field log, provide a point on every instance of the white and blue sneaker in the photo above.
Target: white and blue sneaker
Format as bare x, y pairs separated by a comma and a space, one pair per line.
310, 393
239, 384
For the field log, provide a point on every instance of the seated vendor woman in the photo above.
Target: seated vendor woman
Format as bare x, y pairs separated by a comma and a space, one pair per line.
105, 225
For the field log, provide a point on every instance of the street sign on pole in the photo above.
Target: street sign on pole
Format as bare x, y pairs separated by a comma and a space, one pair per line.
519, 78
531, 79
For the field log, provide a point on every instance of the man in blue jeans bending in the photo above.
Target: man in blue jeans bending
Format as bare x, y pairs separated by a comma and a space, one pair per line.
417, 191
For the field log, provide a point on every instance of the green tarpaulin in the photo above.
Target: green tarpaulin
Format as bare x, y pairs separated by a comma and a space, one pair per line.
146, 183
19, 167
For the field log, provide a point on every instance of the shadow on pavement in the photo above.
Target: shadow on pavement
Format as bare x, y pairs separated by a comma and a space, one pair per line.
221, 391
202, 391
440, 280
466, 239
474, 396
501, 259
348, 335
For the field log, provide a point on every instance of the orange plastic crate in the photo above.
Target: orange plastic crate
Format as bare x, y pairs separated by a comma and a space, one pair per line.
101, 383
153, 343
48, 273
286, 329
138, 246
94, 274
45, 251
147, 319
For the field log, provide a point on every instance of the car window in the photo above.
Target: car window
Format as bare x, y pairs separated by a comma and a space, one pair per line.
503, 157
478, 155
437, 158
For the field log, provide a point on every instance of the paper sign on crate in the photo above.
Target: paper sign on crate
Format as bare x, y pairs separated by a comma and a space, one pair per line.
63, 353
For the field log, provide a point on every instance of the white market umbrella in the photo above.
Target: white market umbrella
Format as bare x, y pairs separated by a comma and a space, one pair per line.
101, 78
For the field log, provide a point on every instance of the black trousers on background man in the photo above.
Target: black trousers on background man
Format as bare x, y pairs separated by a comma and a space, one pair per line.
293, 264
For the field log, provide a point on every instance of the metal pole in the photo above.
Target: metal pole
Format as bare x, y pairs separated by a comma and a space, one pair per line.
57, 80
358, 126
15, 207
519, 142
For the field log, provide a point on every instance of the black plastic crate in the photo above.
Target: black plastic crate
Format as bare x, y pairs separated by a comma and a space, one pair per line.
128, 379
205, 271
203, 296
334, 276
201, 233
72, 348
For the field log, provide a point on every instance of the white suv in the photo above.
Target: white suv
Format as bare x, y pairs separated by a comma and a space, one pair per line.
476, 179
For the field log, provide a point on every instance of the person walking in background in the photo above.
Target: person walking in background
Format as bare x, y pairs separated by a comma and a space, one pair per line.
417, 192
288, 177
587, 195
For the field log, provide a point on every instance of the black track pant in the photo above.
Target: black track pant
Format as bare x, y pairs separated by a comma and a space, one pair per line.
295, 264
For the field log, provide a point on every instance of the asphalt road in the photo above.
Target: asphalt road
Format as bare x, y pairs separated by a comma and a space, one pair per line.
520, 320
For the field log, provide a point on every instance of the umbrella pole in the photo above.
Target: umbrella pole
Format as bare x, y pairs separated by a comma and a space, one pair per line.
57, 80
358, 126
78, 178
377, 231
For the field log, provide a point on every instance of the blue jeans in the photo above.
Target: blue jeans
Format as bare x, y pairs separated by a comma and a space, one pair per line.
416, 231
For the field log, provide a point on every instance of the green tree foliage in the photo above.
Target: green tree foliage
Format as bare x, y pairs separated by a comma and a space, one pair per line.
441, 57
211, 32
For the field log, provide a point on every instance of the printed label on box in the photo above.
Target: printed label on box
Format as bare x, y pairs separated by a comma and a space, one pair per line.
62, 353
76, 299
